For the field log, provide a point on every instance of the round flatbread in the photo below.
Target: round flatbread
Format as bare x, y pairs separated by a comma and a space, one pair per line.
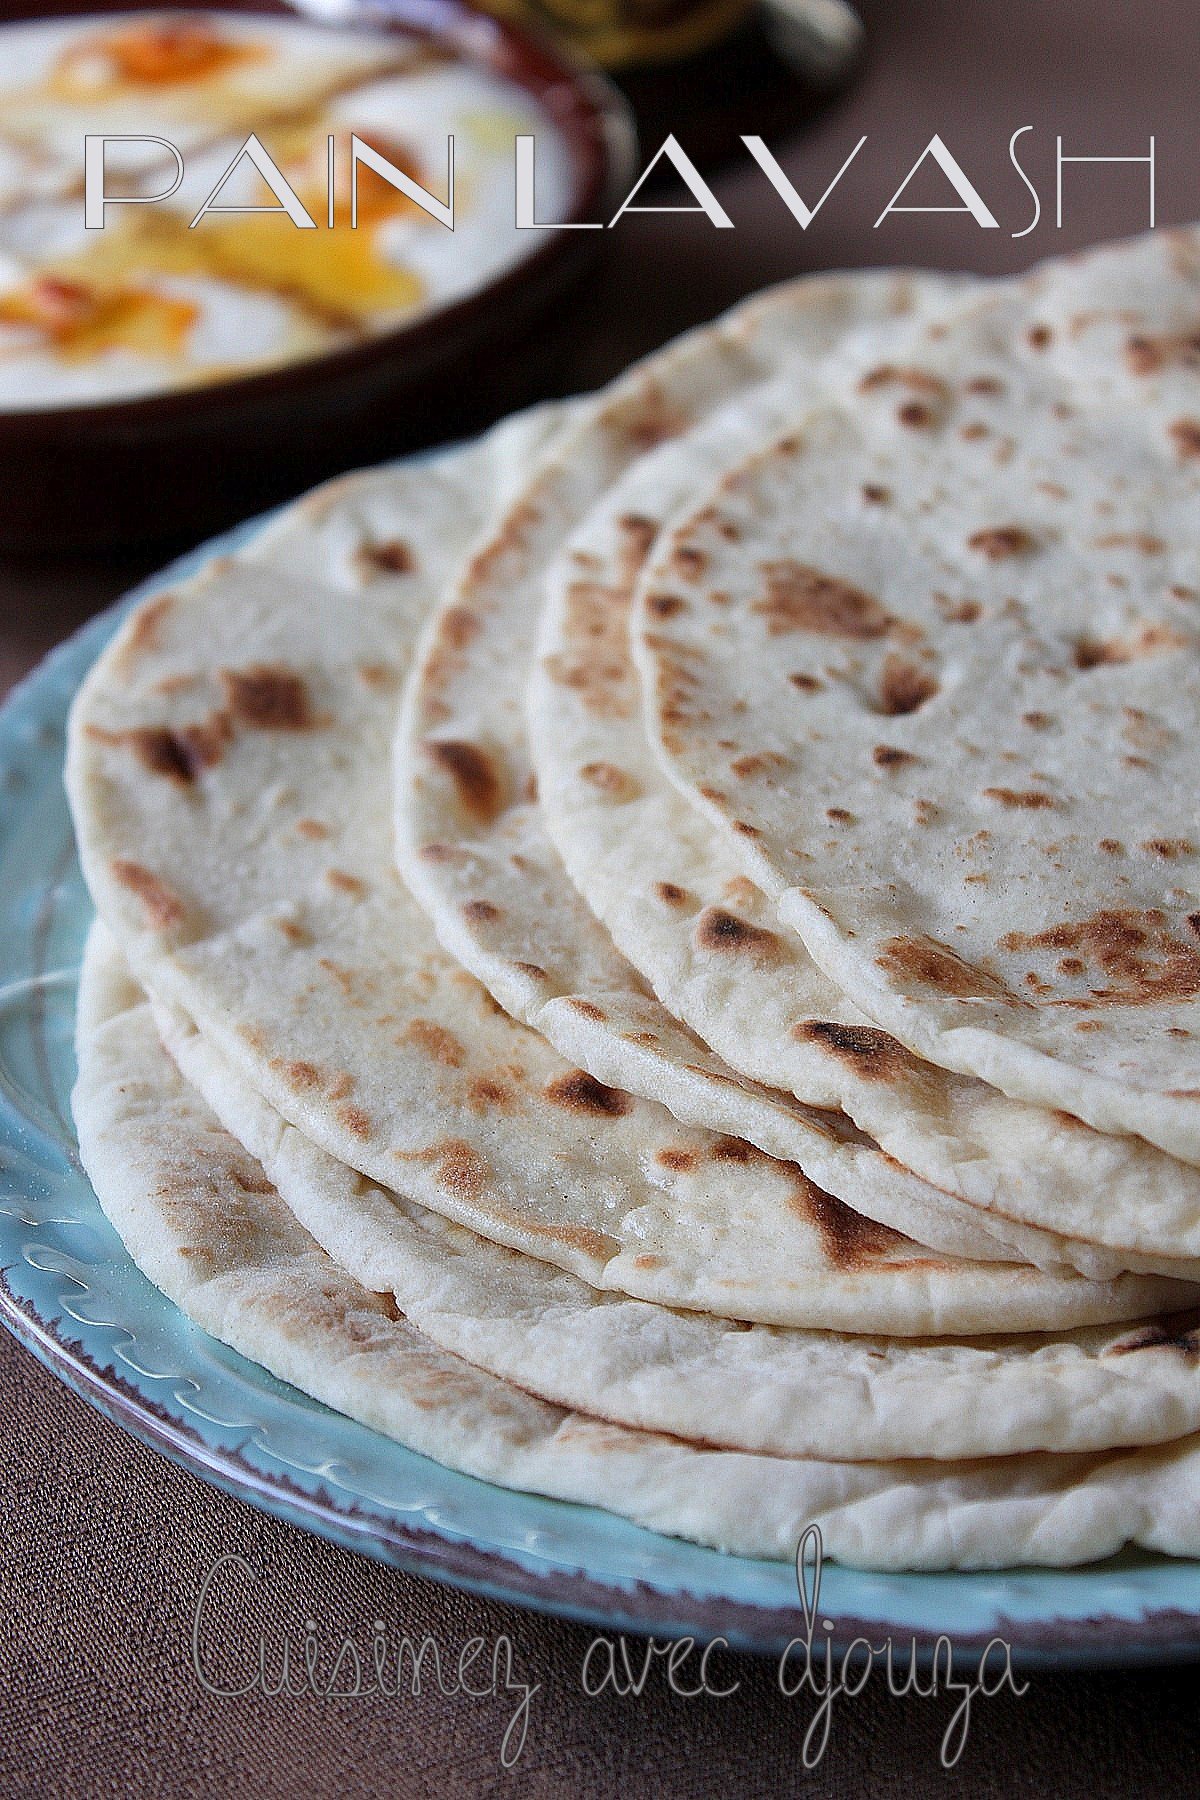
470, 835
676, 899
227, 769
202, 1220
756, 1388
930, 662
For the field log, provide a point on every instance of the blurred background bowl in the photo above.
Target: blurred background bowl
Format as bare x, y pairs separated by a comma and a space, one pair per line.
173, 466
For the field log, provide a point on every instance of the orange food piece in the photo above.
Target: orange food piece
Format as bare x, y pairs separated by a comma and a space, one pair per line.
153, 53
82, 321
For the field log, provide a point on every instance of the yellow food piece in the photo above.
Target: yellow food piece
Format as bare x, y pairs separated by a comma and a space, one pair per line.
82, 320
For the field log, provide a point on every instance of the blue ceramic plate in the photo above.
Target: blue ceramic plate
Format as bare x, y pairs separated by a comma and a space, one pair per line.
72, 1295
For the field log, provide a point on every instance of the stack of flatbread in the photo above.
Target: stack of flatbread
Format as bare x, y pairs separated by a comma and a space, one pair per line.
655, 958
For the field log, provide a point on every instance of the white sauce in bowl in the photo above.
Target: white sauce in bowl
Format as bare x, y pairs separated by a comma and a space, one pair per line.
149, 304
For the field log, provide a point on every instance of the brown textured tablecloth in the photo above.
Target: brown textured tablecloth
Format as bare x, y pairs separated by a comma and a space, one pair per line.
103, 1546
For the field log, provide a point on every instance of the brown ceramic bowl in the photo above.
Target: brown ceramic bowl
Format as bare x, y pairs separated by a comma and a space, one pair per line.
176, 465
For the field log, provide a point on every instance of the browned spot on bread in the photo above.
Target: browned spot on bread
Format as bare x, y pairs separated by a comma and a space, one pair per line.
480, 912
688, 562
800, 598
252, 1181
179, 753
807, 684
922, 381
670, 893
1141, 541
1169, 848
937, 966
145, 628
300, 1075
435, 1041
957, 611
534, 970
614, 783
160, 903
355, 1120
1039, 337
1136, 950
488, 1092
876, 495
637, 535
461, 1171
1111, 846
474, 773
665, 606
506, 548
346, 883
587, 1008
1146, 640
312, 829
597, 665
757, 762
391, 556
1185, 435
1026, 799
439, 853
735, 1150
871, 1052
378, 676
997, 542
656, 419
719, 930
582, 1093
268, 697
294, 933
459, 627
1176, 1331
344, 977
889, 756
679, 1160
904, 686
1148, 354
596, 1244
984, 384
916, 415
1037, 721
850, 1241
839, 815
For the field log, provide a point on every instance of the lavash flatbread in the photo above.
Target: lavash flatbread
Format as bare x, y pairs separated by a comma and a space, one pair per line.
227, 774
470, 838
757, 1388
980, 818
678, 903
201, 1219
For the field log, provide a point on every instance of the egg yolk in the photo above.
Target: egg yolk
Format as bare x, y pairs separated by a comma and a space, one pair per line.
153, 53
